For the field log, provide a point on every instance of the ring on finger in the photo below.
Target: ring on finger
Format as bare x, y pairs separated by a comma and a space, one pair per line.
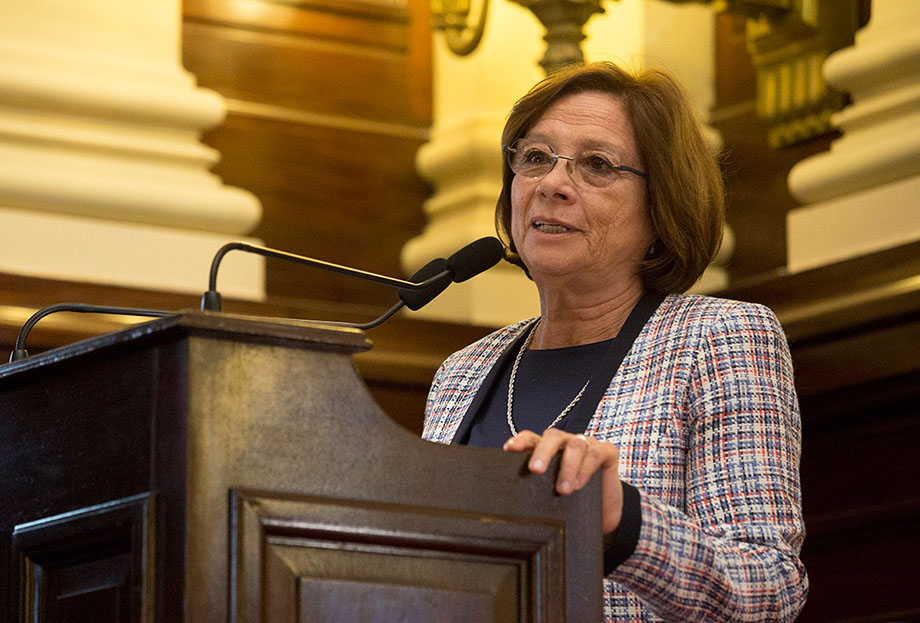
583, 438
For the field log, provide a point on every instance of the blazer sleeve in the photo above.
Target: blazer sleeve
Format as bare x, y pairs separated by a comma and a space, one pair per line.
731, 554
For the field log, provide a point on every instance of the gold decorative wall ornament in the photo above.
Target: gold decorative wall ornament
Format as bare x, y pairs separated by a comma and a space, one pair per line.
463, 23
788, 50
563, 20
789, 40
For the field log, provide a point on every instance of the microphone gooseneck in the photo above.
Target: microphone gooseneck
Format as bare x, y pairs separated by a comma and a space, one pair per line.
413, 299
416, 299
211, 300
19, 349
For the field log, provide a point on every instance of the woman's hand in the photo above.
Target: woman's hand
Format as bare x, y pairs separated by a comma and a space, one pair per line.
581, 457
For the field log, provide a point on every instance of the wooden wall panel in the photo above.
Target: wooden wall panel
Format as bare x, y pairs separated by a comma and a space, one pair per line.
344, 21
861, 486
328, 103
301, 73
341, 196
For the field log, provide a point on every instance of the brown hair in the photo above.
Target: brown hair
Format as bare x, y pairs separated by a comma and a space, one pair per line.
685, 190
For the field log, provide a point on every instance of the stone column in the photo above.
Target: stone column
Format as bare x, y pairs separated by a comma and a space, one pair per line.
864, 194
473, 95
103, 177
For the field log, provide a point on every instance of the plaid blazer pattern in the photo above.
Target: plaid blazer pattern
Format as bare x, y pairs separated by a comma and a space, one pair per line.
704, 412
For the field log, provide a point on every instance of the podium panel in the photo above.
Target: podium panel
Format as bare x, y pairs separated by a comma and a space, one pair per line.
91, 564
332, 560
205, 467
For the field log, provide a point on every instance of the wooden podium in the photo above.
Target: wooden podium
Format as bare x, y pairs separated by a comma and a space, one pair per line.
205, 467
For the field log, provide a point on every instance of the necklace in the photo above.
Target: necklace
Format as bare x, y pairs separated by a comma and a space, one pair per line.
514, 369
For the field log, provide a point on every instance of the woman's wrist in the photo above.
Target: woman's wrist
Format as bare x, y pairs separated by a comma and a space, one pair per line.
621, 543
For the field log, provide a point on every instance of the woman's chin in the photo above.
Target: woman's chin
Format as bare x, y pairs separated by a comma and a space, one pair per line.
554, 270
556, 262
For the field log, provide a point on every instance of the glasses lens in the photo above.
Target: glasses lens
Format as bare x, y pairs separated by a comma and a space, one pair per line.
597, 168
530, 159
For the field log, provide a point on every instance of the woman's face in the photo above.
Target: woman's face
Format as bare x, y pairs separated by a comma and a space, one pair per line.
566, 228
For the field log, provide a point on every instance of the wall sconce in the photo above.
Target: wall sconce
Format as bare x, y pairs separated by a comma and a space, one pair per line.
461, 23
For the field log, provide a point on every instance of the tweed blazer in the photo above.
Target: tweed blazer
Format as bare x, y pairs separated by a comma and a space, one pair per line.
705, 415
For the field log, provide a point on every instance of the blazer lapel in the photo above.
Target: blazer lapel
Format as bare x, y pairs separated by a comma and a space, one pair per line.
461, 433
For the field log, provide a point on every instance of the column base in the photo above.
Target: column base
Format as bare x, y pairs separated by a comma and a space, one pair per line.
126, 254
856, 224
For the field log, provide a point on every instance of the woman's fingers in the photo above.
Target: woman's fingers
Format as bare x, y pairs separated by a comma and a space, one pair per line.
550, 443
524, 440
543, 447
582, 457
597, 456
577, 457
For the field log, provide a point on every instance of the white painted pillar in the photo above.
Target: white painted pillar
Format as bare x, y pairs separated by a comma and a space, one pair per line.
103, 177
472, 98
863, 195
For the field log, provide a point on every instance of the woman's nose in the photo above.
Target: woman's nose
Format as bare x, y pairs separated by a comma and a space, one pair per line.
559, 180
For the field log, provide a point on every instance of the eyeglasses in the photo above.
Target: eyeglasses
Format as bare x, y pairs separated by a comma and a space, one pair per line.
534, 159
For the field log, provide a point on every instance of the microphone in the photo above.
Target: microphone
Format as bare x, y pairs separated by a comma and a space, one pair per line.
413, 299
19, 349
469, 261
476, 257
211, 300
466, 263
426, 284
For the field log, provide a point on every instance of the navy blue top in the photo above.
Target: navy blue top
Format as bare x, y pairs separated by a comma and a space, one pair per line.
546, 382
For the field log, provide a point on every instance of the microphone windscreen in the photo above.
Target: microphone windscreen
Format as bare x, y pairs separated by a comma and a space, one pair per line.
416, 299
474, 258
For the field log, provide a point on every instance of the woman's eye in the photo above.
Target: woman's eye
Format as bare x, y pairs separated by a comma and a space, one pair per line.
536, 156
596, 163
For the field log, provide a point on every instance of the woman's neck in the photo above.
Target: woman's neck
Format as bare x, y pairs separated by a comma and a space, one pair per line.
571, 318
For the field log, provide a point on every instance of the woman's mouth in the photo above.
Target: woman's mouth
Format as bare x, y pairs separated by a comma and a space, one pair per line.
550, 228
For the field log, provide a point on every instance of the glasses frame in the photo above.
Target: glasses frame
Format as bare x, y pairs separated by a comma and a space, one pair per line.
508, 150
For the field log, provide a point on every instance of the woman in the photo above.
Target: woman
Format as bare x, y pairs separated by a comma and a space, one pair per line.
613, 206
